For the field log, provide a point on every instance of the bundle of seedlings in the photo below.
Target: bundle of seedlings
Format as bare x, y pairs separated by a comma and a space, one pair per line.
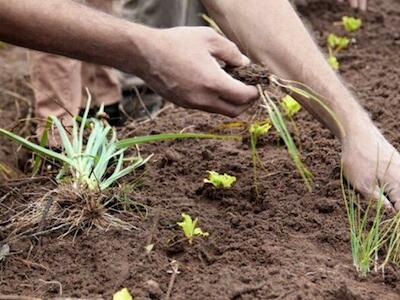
92, 161
271, 88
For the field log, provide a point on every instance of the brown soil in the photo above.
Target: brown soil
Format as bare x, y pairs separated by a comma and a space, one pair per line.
286, 244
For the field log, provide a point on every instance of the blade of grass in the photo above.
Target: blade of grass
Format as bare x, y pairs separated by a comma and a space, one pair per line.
279, 123
138, 140
35, 148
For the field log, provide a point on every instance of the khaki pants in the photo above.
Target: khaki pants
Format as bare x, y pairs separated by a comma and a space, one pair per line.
59, 83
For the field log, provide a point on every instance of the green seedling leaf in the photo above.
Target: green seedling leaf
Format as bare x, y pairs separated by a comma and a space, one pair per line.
337, 42
37, 162
259, 129
190, 228
290, 106
351, 24
122, 295
333, 62
220, 181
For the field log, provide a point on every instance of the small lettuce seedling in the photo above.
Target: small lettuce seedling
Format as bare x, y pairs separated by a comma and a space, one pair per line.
259, 129
337, 43
220, 181
333, 62
122, 295
290, 106
190, 228
351, 24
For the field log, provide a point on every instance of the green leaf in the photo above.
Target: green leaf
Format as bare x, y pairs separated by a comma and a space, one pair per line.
333, 62
122, 295
35, 148
220, 181
351, 24
290, 106
190, 228
337, 42
138, 140
259, 129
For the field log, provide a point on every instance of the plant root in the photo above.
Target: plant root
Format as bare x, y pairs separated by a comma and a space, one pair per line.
66, 210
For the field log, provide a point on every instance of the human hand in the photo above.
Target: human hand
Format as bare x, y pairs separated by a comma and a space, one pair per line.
361, 4
181, 65
371, 163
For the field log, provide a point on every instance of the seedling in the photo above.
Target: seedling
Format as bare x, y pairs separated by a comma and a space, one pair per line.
351, 24
257, 130
86, 165
224, 181
290, 106
335, 45
279, 123
367, 239
190, 228
122, 295
333, 62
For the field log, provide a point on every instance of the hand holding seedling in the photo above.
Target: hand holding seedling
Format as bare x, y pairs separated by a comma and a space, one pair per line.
183, 68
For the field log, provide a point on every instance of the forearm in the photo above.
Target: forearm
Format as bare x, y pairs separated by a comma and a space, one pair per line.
271, 33
74, 30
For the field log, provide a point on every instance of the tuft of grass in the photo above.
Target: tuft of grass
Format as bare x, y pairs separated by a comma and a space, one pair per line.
85, 165
366, 239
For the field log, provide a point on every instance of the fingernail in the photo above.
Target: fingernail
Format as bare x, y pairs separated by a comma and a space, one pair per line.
245, 60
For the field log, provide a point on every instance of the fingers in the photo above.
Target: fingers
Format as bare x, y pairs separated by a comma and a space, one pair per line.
361, 4
227, 51
232, 90
378, 195
220, 106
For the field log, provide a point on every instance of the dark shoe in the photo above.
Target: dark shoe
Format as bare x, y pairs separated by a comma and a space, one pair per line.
138, 108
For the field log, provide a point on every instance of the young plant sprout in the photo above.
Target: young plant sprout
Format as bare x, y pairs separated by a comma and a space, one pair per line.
122, 295
290, 106
224, 181
366, 241
335, 45
279, 123
190, 228
333, 62
351, 24
257, 130
85, 165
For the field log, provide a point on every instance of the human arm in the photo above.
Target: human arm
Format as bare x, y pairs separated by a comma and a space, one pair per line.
272, 34
177, 63
361, 4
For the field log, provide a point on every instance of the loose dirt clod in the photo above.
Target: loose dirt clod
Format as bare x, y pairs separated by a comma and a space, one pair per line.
252, 74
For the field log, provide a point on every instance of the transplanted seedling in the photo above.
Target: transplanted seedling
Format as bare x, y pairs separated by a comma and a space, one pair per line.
290, 106
190, 228
257, 130
351, 24
335, 45
122, 295
224, 181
